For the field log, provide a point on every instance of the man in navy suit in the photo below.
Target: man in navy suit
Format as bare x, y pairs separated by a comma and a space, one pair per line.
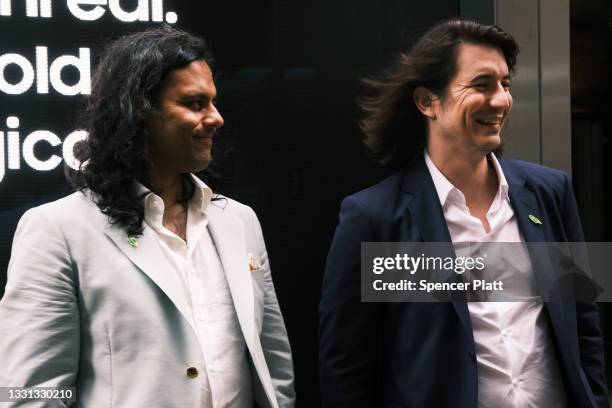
437, 117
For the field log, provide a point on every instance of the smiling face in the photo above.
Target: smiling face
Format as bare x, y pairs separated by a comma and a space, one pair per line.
181, 134
471, 116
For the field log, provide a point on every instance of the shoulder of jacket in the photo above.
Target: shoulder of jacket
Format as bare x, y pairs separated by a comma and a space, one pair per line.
371, 196
72, 207
233, 207
532, 170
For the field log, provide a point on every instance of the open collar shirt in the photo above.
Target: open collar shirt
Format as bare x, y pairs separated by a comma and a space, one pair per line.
197, 268
517, 365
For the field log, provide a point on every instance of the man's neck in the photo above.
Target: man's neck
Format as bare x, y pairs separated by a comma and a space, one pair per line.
466, 168
472, 174
169, 188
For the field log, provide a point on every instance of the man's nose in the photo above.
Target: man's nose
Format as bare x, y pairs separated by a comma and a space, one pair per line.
501, 98
213, 117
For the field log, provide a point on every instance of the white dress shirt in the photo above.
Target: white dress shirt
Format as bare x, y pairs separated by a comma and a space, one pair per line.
517, 366
226, 379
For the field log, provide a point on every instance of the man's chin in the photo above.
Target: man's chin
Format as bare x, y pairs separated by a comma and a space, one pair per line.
200, 165
490, 143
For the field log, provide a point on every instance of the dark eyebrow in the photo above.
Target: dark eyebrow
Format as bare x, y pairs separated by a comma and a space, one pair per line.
198, 95
488, 77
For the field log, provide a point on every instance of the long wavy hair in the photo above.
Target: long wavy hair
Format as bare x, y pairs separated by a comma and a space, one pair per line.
395, 131
125, 86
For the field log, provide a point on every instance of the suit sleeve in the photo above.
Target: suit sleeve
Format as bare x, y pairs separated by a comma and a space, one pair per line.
590, 339
347, 327
274, 339
39, 315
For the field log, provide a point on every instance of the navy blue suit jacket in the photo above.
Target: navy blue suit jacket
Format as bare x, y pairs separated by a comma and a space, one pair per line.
423, 354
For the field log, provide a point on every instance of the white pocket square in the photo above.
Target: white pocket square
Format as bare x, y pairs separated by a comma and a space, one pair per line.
254, 263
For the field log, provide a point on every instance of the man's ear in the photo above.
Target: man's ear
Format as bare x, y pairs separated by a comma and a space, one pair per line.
424, 100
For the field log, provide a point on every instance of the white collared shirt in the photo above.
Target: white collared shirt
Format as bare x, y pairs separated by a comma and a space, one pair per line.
226, 378
517, 365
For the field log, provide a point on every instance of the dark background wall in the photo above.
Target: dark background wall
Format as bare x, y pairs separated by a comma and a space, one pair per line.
591, 67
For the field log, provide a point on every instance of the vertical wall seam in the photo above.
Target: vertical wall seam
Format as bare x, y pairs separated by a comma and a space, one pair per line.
540, 83
494, 11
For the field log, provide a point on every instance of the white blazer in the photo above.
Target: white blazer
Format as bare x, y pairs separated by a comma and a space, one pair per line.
84, 308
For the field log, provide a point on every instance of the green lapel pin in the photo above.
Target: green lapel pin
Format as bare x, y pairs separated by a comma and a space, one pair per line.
132, 241
535, 219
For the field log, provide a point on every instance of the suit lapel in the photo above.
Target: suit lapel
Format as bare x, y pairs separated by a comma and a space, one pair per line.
527, 212
147, 256
425, 208
426, 211
229, 238
525, 204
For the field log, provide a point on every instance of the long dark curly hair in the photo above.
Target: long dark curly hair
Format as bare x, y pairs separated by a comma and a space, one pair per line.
395, 130
126, 85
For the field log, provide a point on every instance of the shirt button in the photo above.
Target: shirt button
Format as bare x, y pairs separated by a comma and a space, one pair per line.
192, 372
514, 382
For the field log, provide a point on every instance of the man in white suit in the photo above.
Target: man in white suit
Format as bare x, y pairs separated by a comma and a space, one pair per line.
145, 289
